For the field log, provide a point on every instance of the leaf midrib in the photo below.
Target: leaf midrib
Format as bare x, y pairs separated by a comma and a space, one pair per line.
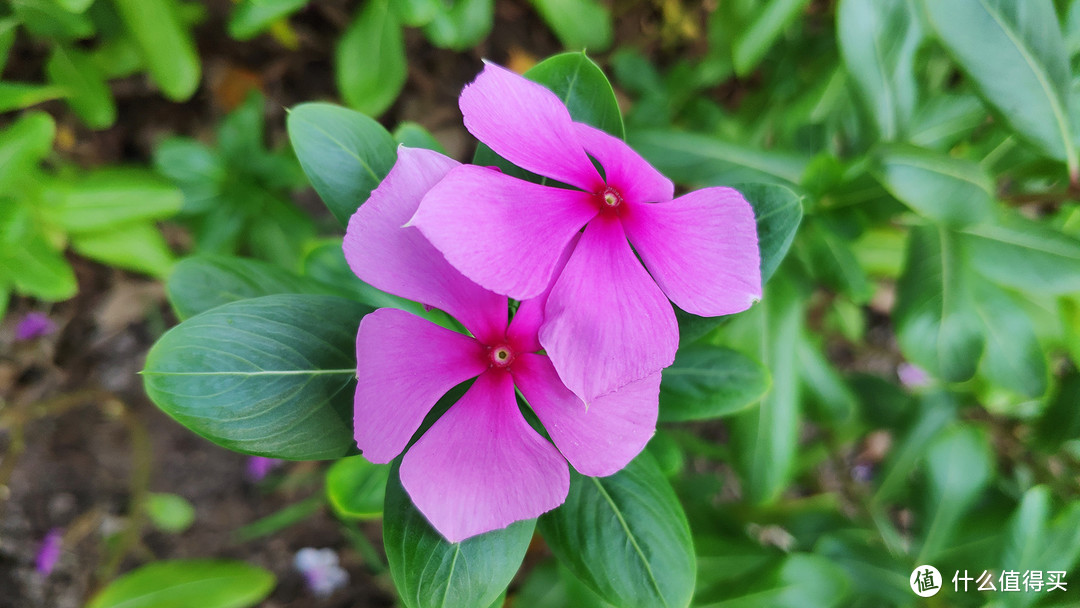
633, 539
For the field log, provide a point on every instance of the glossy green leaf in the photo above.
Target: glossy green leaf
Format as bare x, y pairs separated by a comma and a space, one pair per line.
167, 46
936, 322
88, 94
1025, 254
700, 160
187, 583
412, 135
270, 376
370, 59
110, 197
954, 191
19, 95
959, 466
757, 37
583, 87
579, 24
626, 537
461, 24
325, 262
200, 283
356, 488
170, 512
22, 144
138, 246
430, 572
344, 153
1013, 357
878, 40
708, 382
251, 17
1015, 55
778, 212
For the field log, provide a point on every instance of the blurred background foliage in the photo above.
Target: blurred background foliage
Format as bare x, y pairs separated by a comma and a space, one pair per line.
907, 391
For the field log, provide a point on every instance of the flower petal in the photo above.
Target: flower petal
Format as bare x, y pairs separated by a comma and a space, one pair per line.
528, 125
607, 323
505, 233
402, 262
404, 365
701, 248
523, 332
625, 169
597, 440
481, 467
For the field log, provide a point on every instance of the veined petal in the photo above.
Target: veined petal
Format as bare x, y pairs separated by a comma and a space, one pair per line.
523, 332
481, 466
528, 125
598, 440
625, 169
701, 248
606, 322
401, 261
404, 365
502, 232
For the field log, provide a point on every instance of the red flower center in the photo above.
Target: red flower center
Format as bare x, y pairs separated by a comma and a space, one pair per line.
500, 356
609, 199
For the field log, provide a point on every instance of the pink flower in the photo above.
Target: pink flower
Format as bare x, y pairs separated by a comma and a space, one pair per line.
49, 552
259, 467
34, 325
607, 321
481, 466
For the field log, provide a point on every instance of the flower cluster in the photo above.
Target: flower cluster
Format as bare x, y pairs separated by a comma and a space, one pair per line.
594, 327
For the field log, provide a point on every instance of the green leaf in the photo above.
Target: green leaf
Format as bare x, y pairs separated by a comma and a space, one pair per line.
878, 40
326, 262
430, 572
280, 232
551, 585
1025, 254
417, 13
22, 144
1013, 357
1025, 539
370, 59
75, 6
8, 27
801, 581
200, 283
936, 322
1060, 421
110, 197
412, 135
169, 512
138, 246
708, 382
34, 268
959, 466
270, 376
626, 537
830, 259
168, 49
836, 402
197, 169
19, 95
583, 87
935, 411
461, 24
703, 160
186, 583
1015, 55
344, 153
944, 120
87, 93
356, 488
579, 24
47, 19
251, 17
756, 38
778, 212
954, 191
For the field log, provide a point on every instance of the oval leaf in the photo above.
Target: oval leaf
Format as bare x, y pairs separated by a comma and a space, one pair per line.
579, 24
167, 48
186, 583
109, 197
959, 466
430, 572
951, 190
370, 59
461, 24
251, 17
271, 376
710, 381
1026, 255
344, 153
170, 512
626, 537
356, 487
87, 93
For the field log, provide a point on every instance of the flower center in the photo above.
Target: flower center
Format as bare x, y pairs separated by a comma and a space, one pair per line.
609, 198
500, 356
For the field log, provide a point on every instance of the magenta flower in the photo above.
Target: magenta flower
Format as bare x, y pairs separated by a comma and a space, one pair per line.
258, 467
34, 325
607, 321
49, 552
481, 466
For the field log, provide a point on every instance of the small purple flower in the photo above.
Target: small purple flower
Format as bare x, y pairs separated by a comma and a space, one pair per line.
259, 467
34, 325
49, 552
321, 570
912, 376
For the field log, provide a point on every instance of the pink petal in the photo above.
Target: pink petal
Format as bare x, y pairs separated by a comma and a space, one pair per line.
600, 439
404, 365
524, 329
607, 323
624, 169
528, 125
701, 248
481, 467
402, 262
504, 233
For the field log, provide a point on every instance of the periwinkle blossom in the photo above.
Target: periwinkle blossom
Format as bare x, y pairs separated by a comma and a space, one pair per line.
258, 467
49, 551
34, 325
607, 321
321, 571
480, 466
